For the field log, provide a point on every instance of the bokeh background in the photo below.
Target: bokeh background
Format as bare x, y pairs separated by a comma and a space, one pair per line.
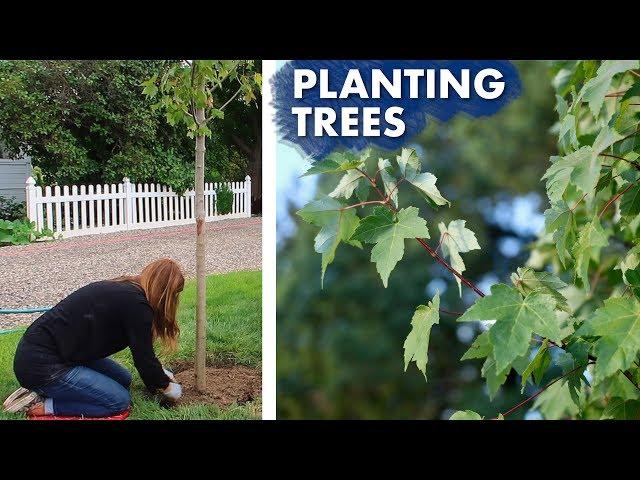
339, 349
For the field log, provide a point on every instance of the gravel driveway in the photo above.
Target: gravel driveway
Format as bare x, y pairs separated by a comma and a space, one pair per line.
42, 273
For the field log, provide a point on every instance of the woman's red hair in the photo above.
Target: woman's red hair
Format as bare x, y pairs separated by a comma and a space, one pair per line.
162, 282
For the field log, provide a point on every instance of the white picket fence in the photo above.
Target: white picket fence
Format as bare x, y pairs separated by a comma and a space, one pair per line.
72, 211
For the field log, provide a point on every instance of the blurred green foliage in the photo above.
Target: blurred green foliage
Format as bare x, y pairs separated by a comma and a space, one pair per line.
340, 348
87, 121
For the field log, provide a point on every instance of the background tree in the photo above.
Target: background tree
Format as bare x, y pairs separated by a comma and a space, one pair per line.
242, 127
193, 93
89, 122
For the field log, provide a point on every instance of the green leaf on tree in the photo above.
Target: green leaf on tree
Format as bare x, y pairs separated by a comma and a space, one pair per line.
560, 221
465, 415
591, 239
456, 239
516, 319
389, 182
620, 409
630, 202
336, 225
480, 348
527, 280
388, 234
538, 365
495, 378
617, 324
337, 162
555, 402
424, 183
416, 345
595, 90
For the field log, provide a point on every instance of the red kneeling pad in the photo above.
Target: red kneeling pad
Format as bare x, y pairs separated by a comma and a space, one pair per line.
117, 416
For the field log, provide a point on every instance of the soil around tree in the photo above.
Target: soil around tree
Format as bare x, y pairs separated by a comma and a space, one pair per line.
226, 385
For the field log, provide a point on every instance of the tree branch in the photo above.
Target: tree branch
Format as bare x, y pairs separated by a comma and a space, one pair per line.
617, 196
370, 202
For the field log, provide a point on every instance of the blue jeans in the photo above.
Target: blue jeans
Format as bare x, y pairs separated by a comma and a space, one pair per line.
96, 389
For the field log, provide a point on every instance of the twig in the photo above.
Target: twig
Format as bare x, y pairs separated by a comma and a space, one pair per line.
578, 203
372, 182
451, 312
617, 196
370, 202
444, 263
632, 162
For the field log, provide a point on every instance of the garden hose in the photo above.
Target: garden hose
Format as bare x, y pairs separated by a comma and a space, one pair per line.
10, 311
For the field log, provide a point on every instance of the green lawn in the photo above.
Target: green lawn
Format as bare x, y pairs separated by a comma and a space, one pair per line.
234, 332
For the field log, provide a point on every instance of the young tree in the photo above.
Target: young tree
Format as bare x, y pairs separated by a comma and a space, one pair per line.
192, 92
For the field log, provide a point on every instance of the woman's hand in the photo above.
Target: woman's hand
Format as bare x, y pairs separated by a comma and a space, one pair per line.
173, 391
169, 374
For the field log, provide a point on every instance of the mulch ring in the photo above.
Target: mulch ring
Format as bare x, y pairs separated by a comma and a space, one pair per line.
226, 384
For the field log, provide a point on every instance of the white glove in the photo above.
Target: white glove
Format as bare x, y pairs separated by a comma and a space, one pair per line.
173, 391
169, 374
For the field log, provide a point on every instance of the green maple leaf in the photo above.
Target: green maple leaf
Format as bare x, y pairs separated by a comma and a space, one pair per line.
516, 319
617, 385
527, 280
630, 261
389, 182
580, 168
617, 324
621, 409
559, 173
347, 185
595, 90
538, 365
480, 348
591, 239
630, 203
605, 180
567, 134
424, 183
456, 239
465, 415
336, 225
556, 402
408, 161
559, 219
337, 162
416, 344
494, 377
388, 234
575, 355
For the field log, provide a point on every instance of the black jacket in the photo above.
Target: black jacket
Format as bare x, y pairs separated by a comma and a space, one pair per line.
93, 322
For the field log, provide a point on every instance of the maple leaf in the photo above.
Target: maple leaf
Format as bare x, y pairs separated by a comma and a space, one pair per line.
516, 319
416, 344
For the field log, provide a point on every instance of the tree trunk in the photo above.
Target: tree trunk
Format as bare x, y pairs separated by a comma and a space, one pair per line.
201, 305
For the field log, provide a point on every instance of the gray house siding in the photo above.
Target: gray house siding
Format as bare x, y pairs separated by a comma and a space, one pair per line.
13, 175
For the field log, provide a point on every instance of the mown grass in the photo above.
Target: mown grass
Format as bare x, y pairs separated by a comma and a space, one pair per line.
234, 333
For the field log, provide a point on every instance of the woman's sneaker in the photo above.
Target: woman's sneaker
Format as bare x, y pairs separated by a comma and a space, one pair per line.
20, 400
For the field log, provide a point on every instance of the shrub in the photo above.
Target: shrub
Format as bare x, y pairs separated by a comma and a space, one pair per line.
10, 209
20, 232
224, 199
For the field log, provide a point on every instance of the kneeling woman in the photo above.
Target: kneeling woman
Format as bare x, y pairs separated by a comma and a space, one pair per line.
62, 356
